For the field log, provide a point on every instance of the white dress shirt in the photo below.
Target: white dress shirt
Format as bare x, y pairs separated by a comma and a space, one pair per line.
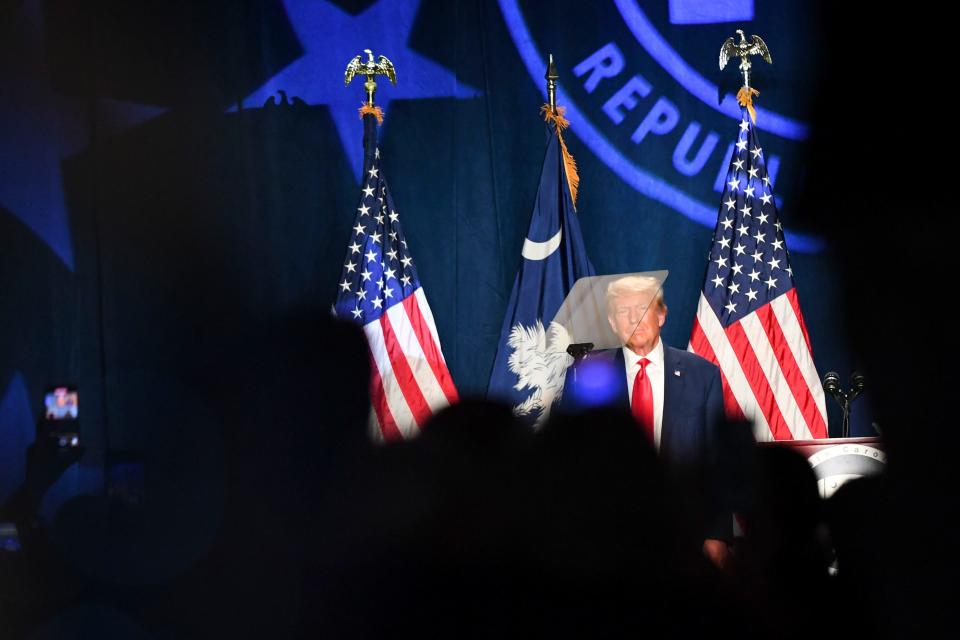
655, 373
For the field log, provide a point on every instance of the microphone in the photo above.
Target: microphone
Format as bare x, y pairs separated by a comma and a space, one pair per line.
857, 384
831, 384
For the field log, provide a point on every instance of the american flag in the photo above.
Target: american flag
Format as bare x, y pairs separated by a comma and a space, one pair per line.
749, 321
380, 290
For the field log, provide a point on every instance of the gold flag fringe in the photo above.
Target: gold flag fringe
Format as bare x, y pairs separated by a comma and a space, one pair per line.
560, 123
376, 112
745, 98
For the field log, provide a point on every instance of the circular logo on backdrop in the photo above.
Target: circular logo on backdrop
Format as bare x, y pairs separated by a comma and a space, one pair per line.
644, 92
836, 465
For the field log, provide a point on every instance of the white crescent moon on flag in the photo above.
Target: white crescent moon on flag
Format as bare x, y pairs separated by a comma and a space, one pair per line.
541, 250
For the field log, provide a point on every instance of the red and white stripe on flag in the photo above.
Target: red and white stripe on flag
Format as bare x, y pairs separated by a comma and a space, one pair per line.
410, 381
767, 368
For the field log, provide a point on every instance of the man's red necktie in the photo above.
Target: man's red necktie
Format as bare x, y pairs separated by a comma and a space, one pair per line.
643, 399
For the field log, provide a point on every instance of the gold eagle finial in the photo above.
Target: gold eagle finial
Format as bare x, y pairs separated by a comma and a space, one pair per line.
370, 68
744, 49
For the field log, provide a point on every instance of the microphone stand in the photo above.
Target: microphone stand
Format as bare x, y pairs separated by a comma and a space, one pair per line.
831, 384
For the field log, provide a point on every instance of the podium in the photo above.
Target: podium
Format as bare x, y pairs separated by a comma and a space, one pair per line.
838, 460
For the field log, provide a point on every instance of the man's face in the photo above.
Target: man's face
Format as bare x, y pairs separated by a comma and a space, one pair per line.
637, 319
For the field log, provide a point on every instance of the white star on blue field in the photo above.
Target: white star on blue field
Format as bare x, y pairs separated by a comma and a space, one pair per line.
330, 37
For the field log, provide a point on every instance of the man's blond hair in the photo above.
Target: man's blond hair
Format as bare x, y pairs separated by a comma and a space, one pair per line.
630, 285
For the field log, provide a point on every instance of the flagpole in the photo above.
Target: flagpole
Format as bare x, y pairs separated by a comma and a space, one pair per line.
555, 115
551, 77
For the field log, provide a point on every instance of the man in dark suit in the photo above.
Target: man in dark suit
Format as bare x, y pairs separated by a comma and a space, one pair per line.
676, 396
